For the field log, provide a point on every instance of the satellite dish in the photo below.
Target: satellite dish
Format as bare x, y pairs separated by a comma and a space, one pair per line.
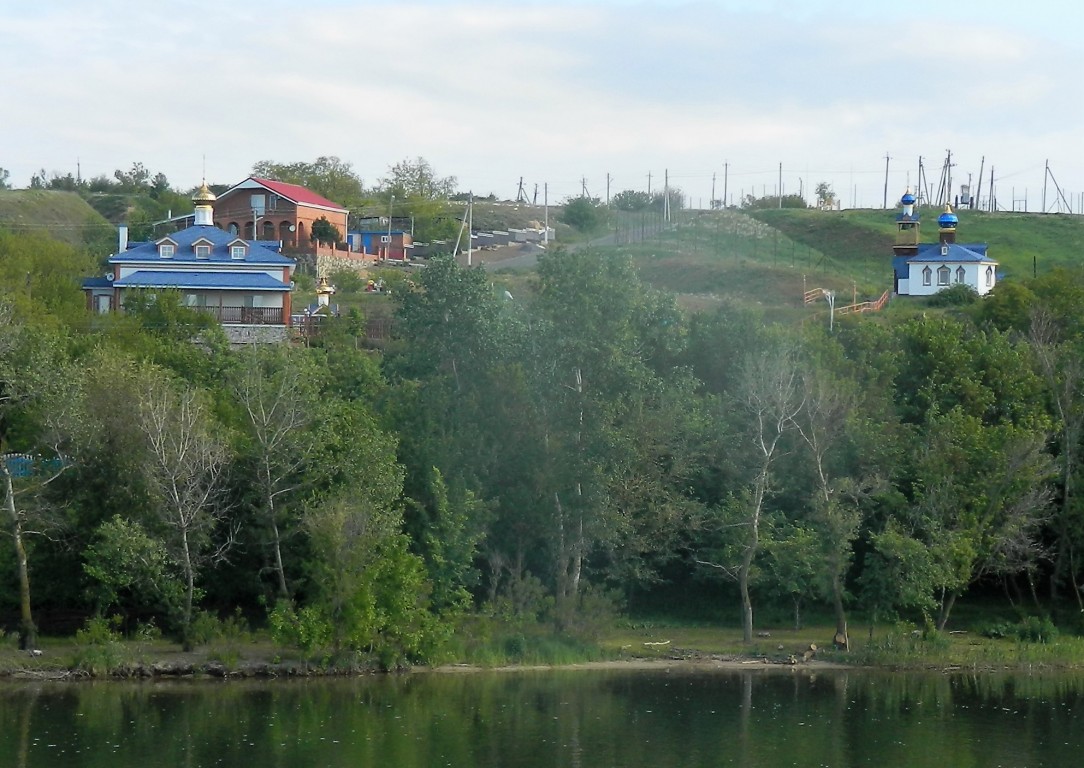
110, 276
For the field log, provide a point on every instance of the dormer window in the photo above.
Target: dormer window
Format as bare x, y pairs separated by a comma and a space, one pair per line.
166, 250
203, 251
944, 249
237, 251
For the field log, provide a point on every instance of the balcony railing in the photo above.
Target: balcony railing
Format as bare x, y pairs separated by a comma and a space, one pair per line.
245, 315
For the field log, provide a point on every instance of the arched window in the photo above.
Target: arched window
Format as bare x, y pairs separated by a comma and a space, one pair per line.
943, 275
927, 276
959, 274
989, 276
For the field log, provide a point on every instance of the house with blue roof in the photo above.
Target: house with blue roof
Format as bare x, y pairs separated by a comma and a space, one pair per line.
923, 269
244, 284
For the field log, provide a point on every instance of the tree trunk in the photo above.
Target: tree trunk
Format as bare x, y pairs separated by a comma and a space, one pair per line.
743, 586
190, 590
842, 638
28, 633
946, 609
279, 569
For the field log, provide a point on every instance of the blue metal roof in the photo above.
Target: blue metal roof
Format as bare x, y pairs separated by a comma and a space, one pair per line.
226, 281
259, 252
930, 252
97, 282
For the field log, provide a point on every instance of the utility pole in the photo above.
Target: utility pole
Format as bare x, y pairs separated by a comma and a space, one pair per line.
982, 167
534, 200
649, 183
726, 175
470, 225
607, 189
583, 182
948, 176
1046, 173
666, 194
387, 252
887, 158
712, 203
780, 186
546, 224
918, 179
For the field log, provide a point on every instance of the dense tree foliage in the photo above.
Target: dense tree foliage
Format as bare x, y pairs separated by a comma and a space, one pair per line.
535, 457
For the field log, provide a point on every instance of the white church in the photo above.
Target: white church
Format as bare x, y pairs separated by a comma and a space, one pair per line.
923, 269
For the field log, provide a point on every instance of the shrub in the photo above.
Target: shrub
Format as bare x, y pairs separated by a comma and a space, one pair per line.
959, 295
1034, 629
99, 648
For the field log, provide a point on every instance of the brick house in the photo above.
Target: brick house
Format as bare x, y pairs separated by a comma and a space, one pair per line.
263, 209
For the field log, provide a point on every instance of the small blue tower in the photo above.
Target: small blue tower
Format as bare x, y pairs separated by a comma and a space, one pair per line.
946, 225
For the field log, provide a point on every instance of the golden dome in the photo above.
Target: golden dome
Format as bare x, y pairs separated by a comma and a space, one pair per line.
203, 195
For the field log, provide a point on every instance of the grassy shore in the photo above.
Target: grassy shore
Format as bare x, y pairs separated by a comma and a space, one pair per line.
253, 654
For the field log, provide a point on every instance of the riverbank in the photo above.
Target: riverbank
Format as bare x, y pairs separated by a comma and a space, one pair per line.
254, 655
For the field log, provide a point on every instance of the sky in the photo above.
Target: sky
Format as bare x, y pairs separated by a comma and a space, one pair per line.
567, 96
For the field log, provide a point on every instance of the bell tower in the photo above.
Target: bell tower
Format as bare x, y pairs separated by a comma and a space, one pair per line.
907, 226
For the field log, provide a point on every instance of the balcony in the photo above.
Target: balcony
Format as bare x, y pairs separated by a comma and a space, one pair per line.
245, 315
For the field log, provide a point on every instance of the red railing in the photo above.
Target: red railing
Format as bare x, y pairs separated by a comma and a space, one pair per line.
864, 306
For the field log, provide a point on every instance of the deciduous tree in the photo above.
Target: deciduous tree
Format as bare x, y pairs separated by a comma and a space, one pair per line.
185, 471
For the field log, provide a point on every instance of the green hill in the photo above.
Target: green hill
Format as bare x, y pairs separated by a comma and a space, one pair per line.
769, 257
64, 215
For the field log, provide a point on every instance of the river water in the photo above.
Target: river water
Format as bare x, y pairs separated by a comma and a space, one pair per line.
680, 716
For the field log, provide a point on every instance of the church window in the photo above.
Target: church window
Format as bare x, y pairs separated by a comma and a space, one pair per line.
927, 275
989, 276
943, 275
959, 274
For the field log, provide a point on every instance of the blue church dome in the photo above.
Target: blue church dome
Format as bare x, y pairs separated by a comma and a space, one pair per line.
948, 219
908, 199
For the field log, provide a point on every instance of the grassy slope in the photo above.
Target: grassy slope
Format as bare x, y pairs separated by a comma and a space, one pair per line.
64, 215
766, 258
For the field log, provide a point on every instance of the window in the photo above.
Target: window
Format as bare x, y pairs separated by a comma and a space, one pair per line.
943, 275
927, 275
165, 250
959, 274
989, 276
203, 251
385, 238
237, 251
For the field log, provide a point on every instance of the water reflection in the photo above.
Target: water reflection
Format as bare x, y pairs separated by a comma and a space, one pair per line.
661, 717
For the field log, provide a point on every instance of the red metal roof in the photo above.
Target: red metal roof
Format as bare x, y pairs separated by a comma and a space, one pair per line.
297, 193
